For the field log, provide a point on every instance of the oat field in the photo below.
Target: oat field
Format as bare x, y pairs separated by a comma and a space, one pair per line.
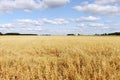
59, 58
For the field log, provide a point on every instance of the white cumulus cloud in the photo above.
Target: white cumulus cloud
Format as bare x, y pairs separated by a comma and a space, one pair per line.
100, 7
87, 19
103, 2
27, 5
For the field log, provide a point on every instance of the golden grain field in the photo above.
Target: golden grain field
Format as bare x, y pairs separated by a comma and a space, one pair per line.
59, 58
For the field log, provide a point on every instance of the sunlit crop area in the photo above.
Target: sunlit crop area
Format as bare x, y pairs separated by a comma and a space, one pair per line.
59, 58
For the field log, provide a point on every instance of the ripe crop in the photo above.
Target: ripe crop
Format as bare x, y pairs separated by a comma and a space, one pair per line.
59, 58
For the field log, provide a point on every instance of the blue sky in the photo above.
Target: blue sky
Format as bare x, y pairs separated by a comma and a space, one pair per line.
59, 16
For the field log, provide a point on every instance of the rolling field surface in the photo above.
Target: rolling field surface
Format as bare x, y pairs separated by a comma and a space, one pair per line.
59, 58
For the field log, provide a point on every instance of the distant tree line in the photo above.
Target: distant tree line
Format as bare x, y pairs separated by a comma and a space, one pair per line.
73, 34
1, 33
15, 34
45, 34
105, 34
108, 34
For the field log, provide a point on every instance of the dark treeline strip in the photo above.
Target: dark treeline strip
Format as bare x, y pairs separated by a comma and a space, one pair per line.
109, 34
16, 34
105, 34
